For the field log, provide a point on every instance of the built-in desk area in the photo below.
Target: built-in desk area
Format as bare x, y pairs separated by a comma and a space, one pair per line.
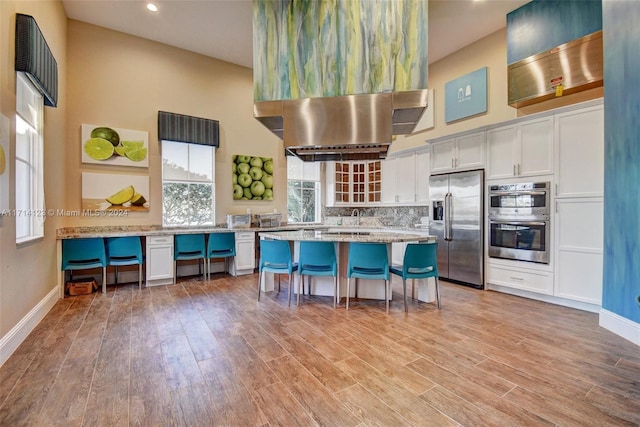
157, 242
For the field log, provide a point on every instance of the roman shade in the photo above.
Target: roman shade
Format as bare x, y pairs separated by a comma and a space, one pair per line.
189, 129
34, 58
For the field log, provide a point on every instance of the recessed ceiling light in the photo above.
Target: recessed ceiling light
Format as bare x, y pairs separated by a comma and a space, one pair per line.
152, 7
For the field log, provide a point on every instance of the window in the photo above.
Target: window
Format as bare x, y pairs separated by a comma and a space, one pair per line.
188, 185
303, 191
29, 161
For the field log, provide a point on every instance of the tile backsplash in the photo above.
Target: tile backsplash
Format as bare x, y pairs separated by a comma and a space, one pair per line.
384, 216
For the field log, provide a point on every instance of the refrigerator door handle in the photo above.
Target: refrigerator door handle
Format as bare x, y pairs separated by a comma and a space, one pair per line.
447, 217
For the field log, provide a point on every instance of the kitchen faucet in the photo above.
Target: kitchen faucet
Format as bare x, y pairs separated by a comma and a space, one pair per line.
356, 213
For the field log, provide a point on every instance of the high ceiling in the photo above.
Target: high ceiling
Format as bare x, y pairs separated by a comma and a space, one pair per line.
222, 28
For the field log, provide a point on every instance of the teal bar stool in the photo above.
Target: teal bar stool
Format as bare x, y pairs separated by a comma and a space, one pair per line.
368, 261
420, 262
220, 245
318, 259
125, 251
188, 247
275, 257
84, 254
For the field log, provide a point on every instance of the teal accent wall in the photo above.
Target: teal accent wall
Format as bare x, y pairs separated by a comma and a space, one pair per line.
621, 40
305, 49
544, 24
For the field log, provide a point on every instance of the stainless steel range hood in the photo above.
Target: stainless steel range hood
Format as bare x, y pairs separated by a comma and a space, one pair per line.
350, 127
576, 65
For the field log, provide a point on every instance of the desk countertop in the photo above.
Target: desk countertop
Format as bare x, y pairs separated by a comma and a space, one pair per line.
156, 230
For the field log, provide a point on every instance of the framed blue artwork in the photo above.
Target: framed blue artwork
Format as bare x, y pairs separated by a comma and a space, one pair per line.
466, 96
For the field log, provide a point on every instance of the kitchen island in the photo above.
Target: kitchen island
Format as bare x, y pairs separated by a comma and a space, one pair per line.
370, 289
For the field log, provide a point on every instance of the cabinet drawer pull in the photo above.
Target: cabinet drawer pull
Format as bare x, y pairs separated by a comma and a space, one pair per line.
156, 241
516, 278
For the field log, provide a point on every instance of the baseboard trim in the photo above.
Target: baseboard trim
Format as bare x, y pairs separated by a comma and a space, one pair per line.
10, 342
578, 305
627, 329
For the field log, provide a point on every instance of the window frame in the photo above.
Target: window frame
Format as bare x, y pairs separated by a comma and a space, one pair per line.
189, 182
305, 172
29, 209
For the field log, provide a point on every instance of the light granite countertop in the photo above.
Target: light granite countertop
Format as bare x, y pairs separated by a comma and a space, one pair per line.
334, 235
156, 230
346, 233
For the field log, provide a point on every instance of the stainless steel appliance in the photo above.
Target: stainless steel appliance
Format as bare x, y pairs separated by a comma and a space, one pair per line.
457, 222
519, 221
522, 200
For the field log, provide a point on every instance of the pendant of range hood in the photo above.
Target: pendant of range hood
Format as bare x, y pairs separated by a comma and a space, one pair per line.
350, 127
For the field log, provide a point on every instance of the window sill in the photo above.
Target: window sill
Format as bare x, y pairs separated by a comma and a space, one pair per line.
25, 241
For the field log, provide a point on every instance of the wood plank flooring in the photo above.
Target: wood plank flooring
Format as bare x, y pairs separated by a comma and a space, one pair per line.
206, 353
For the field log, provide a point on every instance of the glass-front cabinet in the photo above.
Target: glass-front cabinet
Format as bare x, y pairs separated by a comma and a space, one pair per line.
357, 182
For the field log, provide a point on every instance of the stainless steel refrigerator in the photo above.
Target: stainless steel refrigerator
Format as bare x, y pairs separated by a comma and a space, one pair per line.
457, 221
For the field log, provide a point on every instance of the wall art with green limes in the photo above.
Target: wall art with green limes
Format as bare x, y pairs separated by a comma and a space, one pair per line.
106, 145
252, 177
119, 192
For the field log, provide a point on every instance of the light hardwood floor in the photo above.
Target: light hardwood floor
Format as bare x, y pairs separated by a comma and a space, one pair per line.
207, 353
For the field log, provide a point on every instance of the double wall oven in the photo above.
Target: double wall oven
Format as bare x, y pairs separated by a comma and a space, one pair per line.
519, 221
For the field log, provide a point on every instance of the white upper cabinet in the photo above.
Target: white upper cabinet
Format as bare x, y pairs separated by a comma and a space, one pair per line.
330, 184
405, 178
458, 153
520, 149
580, 153
442, 155
388, 167
422, 176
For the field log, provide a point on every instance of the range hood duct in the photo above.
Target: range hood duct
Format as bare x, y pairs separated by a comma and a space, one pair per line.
576, 65
350, 127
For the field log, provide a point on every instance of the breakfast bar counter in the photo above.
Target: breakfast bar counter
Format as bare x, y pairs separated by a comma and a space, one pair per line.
372, 288
348, 235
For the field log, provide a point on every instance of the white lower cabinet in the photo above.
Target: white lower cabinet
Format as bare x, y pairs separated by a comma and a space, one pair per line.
397, 252
245, 259
159, 260
578, 253
527, 280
